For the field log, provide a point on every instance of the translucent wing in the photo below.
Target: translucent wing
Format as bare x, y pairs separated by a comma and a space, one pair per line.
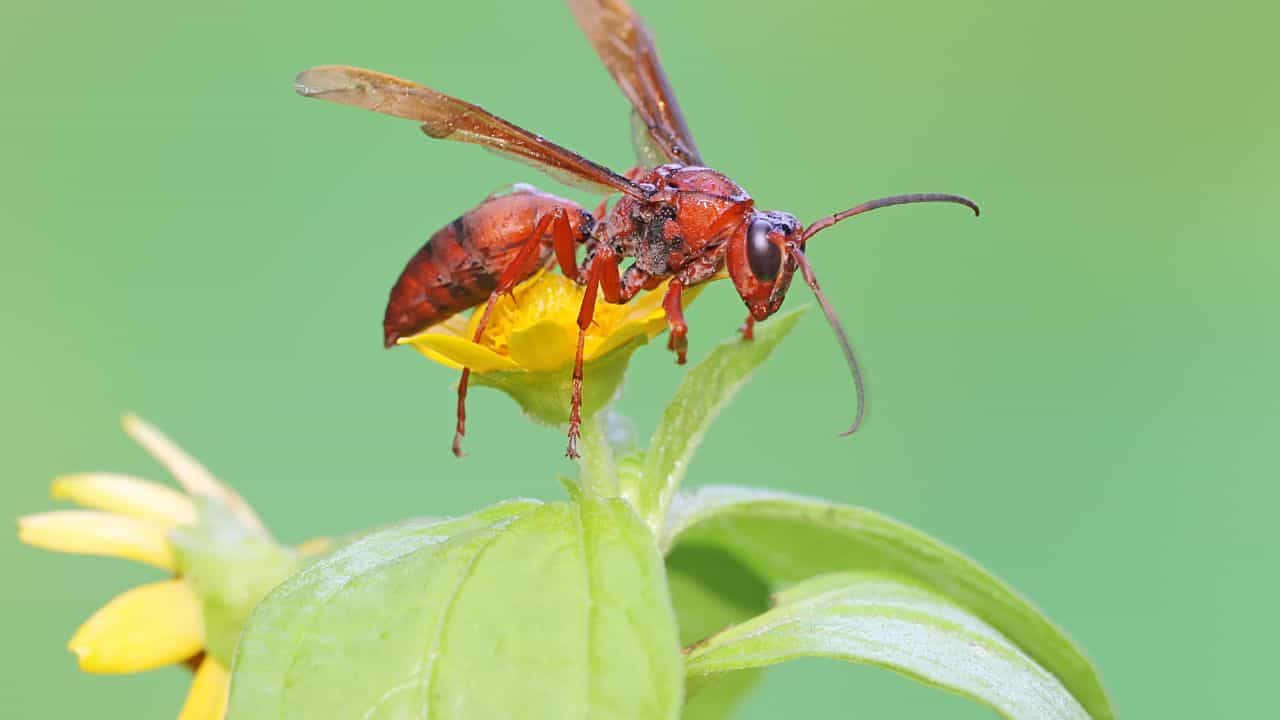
648, 152
449, 118
626, 48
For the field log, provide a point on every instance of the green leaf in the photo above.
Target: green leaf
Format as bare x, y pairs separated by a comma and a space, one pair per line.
719, 699
786, 539
711, 590
706, 389
521, 610
231, 566
879, 620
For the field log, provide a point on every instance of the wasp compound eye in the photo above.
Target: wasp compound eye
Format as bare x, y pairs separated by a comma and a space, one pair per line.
764, 258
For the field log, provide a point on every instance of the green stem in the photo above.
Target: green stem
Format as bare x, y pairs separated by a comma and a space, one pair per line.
597, 470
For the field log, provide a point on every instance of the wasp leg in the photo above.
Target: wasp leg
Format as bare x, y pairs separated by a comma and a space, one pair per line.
634, 280
695, 272
563, 242
461, 428
524, 264
610, 283
748, 328
678, 337
603, 271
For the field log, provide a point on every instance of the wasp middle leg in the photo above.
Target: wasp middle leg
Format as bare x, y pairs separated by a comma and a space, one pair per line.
552, 232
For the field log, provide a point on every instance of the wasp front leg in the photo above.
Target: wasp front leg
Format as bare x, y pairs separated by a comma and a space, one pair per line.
678, 329
602, 275
696, 272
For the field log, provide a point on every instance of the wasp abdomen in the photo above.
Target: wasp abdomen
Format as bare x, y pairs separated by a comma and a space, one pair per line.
460, 265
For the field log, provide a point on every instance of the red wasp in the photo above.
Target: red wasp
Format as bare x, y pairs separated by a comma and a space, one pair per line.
678, 219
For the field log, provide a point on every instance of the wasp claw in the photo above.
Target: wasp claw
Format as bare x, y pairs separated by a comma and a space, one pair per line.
678, 344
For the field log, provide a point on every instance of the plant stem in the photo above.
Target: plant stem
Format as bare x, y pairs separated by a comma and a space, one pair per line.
597, 471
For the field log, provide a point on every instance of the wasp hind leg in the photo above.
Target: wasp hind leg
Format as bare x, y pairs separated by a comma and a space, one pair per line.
525, 264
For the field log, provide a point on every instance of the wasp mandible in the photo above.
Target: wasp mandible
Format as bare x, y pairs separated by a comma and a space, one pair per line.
676, 218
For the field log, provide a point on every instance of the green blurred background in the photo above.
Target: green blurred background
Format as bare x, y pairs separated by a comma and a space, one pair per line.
1077, 389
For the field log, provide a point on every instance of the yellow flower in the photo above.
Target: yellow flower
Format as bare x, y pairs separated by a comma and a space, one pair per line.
532, 337
163, 622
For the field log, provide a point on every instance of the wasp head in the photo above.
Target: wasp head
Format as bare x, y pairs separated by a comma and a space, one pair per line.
760, 260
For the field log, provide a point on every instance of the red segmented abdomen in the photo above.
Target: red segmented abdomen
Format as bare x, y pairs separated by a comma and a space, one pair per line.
459, 266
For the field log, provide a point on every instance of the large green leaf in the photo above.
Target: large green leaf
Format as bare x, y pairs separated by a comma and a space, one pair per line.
879, 620
707, 387
786, 539
522, 610
711, 590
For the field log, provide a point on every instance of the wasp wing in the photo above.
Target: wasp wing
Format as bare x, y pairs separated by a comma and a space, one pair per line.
449, 118
648, 152
626, 47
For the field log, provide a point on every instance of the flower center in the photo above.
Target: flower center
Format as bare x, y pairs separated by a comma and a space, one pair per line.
545, 297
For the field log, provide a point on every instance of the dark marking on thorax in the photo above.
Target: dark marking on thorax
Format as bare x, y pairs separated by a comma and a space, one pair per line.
656, 237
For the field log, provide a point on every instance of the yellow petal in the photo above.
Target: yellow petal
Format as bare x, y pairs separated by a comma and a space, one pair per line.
432, 355
188, 472
147, 627
89, 532
621, 336
545, 345
457, 352
127, 496
454, 325
207, 699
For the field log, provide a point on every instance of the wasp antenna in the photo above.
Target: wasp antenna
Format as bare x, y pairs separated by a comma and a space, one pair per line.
845, 346
828, 221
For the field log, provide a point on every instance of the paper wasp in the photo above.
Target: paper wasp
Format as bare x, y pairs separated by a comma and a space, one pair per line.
677, 218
